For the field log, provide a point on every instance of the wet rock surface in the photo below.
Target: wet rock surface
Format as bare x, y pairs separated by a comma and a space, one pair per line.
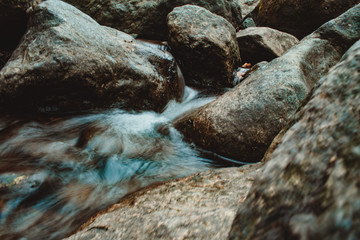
263, 44
201, 206
57, 171
242, 123
68, 62
205, 45
309, 187
148, 18
300, 18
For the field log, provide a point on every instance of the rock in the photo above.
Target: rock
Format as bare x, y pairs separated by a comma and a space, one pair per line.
201, 206
205, 45
297, 17
247, 6
5, 54
68, 62
248, 22
263, 44
148, 18
343, 30
14, 185
246, 70
242, 123
309, 188
13, 20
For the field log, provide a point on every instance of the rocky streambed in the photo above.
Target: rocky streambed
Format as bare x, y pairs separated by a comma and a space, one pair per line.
58, 172
94, 115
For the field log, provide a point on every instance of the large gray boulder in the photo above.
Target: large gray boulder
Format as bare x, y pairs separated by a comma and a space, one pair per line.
263, 44
242, 123
299, 17
148, 18
205, 45
201, 206
309, 188
68, 62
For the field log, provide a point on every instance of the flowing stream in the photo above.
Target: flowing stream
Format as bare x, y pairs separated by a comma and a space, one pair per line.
55, 173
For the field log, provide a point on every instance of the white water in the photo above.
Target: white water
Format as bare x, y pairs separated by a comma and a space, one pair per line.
56, 173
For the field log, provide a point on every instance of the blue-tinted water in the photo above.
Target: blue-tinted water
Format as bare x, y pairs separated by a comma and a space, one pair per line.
55, 173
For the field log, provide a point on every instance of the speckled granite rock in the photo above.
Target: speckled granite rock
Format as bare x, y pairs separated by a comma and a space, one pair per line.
148, 18
242, 123
299, 17
247, 6
68, 62
205, 45
310, 185
263, 44
201, 206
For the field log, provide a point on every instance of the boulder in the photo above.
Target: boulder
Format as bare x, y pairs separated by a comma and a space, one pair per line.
247, 6
310, 186
263, 44
148, 18
205, 46
242, 123
13, 21
201, 206
299, 17
68, 62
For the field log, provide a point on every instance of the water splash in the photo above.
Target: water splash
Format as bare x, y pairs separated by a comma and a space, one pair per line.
56, 173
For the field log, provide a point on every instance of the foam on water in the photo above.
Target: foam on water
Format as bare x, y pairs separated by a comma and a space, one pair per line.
56, 174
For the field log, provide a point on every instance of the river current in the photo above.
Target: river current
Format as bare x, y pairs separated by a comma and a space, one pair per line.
56, 172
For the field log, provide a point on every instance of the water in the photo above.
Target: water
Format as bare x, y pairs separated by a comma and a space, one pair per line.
55, 173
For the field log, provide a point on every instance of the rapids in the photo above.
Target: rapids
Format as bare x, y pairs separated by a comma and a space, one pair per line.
56, 172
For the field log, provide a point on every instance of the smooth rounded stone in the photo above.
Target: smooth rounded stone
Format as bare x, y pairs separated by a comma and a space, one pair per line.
299, 17
148, 18
263, 44
205, 46
242, 123
68, 62
13, 21
201, 206
309, 188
